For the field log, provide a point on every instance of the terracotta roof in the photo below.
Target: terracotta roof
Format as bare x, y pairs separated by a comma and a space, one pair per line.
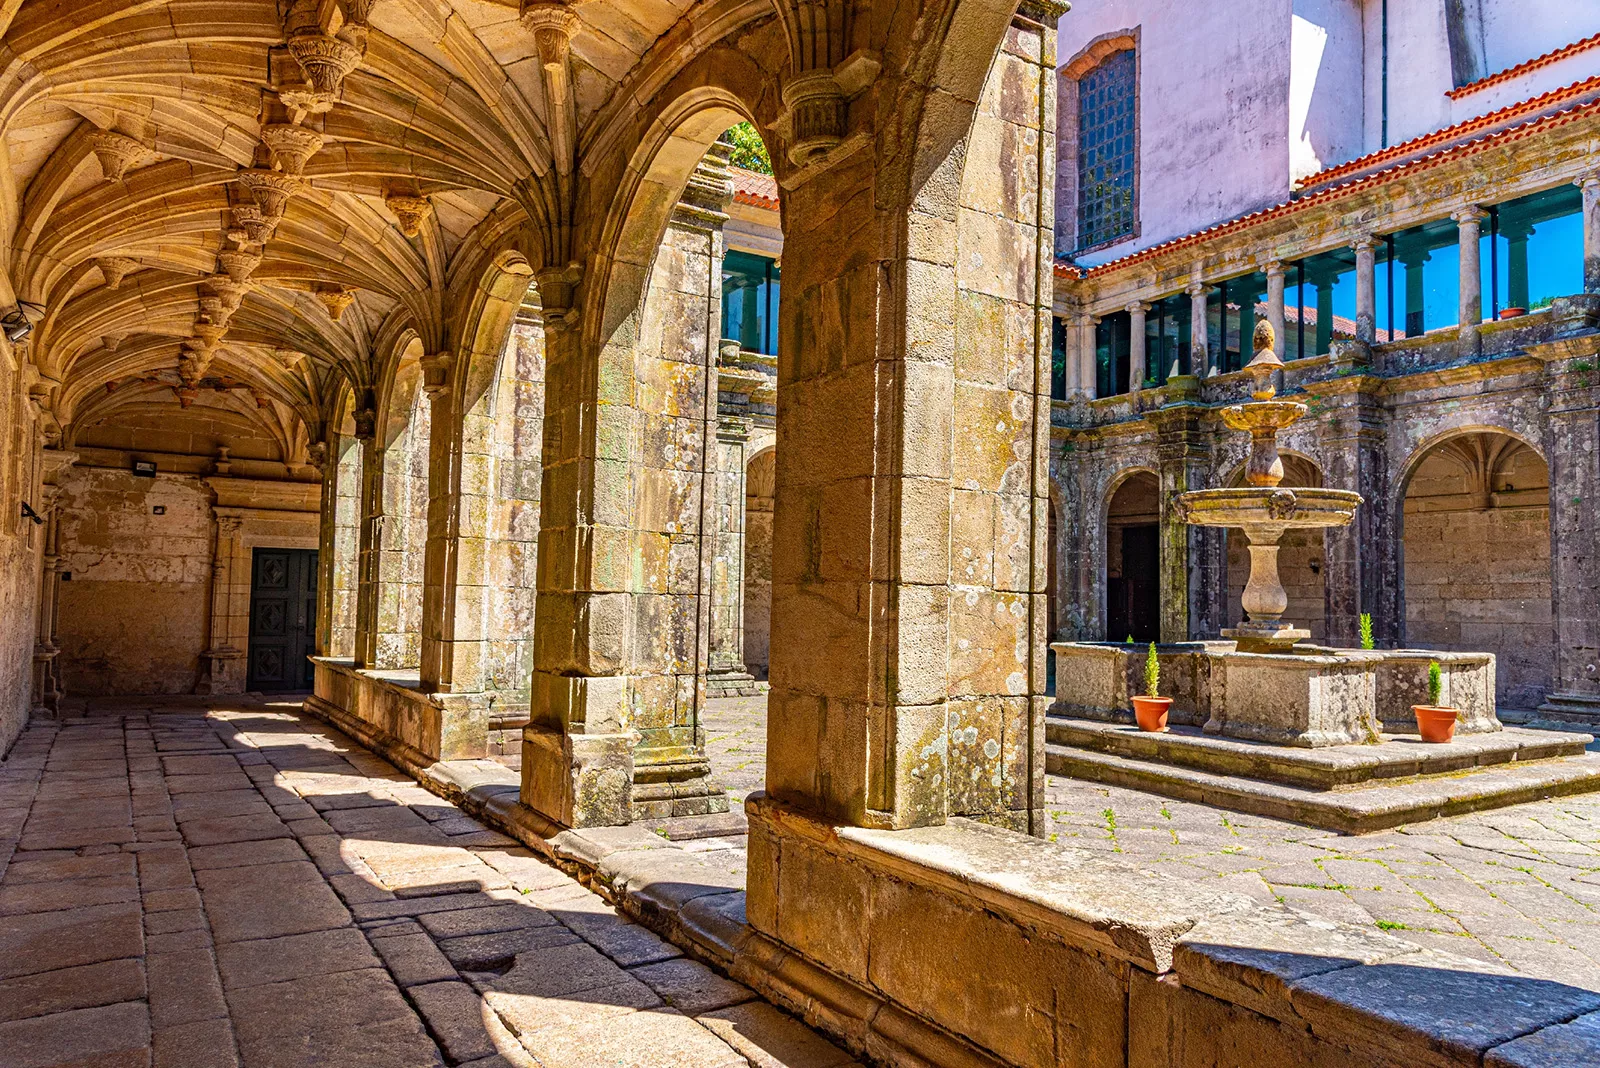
1554, 56
1509, 113
1350, 187
753, 188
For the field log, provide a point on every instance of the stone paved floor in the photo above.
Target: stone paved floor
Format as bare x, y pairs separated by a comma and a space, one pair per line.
1519, 885
193, 887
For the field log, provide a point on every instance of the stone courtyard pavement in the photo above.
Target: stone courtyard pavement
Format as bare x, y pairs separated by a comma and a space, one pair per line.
1519, 885
193, 886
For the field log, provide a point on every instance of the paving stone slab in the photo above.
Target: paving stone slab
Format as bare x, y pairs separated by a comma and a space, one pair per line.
113, 1036
413, 959
269, 900
183, 987
768, 1038
690, 986
455, 1016
655, 1038
46, 941
86, 986
67, 894
479, 952
245, 854
276, 960
526, 1014
201, 1044
490, 919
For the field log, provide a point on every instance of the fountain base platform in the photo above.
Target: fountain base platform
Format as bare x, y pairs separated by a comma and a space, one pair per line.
1351, 789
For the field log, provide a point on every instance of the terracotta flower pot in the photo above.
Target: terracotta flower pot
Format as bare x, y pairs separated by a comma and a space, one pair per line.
1512, 313
1151, 712
1434, 723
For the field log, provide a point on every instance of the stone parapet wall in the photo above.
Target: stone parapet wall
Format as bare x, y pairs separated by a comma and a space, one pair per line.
438, 726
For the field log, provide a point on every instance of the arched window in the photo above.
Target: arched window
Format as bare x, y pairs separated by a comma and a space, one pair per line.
1107, 160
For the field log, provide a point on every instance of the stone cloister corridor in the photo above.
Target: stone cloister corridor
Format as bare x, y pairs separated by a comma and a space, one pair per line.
629, 533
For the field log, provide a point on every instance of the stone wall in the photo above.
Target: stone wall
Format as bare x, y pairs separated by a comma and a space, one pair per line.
1477, 569
21, 544
346, 547
405, 533
758, 563
133, 612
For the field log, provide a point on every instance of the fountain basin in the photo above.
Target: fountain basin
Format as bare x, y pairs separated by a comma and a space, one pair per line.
1265, 510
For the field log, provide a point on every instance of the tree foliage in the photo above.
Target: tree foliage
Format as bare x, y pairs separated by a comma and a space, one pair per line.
749, 151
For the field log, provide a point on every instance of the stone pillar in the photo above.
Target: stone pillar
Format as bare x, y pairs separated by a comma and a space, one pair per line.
1572, 444
1086, 356
1137, 372
727, 673
1366, 288
1469, 224
1275, 272
327, 539
222, 663
439, 666
1193, 578
1361, 562
47, 690
1415, 324
1590, 184
1199, 346
1324, 339
623, 612
369, 553
1516, 233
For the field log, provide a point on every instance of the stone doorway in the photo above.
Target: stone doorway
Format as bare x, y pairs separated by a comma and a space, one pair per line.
283, 613
1133, 562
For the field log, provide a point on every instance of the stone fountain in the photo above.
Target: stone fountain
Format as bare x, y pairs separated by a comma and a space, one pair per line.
1263, 510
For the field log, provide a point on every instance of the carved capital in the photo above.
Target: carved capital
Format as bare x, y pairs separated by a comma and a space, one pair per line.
553, 25
291, 146
557, 292
816, 107
116, 153
325, 61
436, 373
270, 190
115, 269
239, 264
410, 211
335, 298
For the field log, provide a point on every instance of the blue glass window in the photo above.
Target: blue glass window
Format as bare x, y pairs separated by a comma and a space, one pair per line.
1107, 128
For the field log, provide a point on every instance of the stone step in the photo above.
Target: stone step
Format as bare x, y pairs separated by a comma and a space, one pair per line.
1356, 810
1398, 756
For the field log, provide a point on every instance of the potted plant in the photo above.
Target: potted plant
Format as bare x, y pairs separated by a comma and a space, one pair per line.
1512, 313
1150, 710
1435, 722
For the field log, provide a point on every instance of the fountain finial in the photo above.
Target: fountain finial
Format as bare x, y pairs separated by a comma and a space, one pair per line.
1265, 343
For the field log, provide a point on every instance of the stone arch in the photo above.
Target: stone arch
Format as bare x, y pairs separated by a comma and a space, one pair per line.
1301, 558
1473, 514
347, 456
1130, 558
402, 458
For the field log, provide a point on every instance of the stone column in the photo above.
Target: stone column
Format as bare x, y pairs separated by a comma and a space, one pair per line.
1415, 323
1361, 562
1590, 185
1275, 273
1572, 444
1192, 575
623, 612
1469, 224
727, 673
1366, 288
327, 539
1199, 346
1137, 372
1085, 356
440, 664
47, 690
369, 553
222, 662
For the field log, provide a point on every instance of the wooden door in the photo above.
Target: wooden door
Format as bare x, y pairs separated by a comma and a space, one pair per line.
283, 615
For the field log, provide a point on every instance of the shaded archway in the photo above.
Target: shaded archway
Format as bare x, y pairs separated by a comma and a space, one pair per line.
1476, 558
403, 430
1133, 563
1300, 559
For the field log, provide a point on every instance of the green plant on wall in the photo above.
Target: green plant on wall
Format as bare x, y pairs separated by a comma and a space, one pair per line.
1435, 683
1366, 630
1130, 640
1152, 673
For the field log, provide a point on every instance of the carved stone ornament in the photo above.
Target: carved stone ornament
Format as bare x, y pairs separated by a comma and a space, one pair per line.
411, 211
325, 61
335, 298
239, 264
115, 269
557, 287
1282, 504
553, 26
270, 190
436, 373
816, 114
116, 153
366, 420
291, 146
231, 293
257, 227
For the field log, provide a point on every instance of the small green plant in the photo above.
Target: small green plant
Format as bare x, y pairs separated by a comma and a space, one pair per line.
1435, 683
1391, 925
1366, 630
1152, 673
1129, 641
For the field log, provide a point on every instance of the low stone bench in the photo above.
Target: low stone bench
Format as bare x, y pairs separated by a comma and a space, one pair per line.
389, 708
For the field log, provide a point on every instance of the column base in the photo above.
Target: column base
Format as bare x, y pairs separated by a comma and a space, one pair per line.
1577, 709
579, 780
736, 682
222, 672
682, 787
